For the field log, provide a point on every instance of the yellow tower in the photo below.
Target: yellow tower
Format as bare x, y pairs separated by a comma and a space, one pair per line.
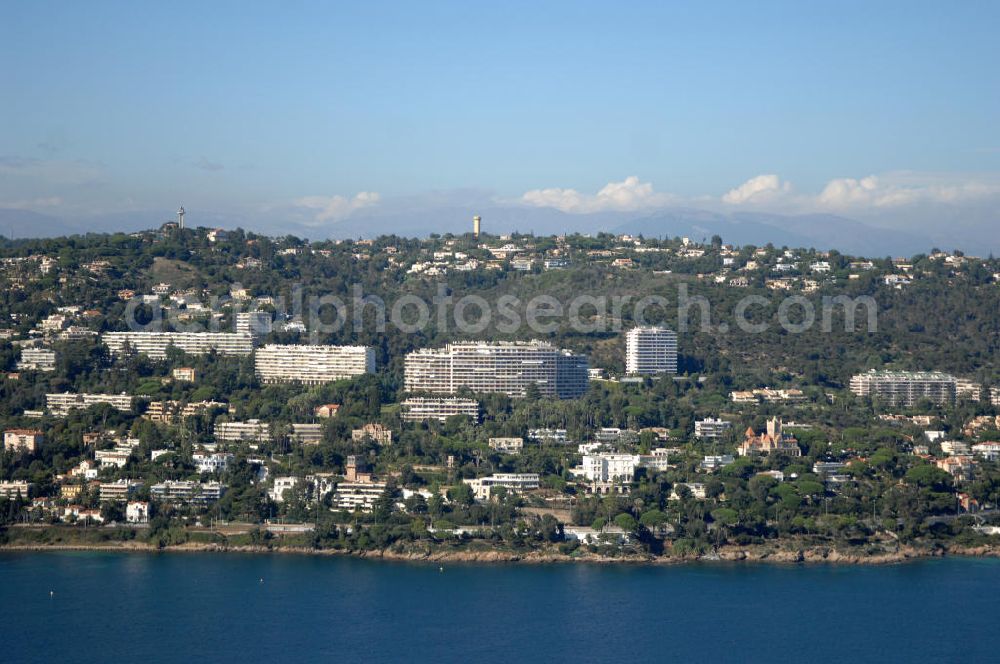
475, 226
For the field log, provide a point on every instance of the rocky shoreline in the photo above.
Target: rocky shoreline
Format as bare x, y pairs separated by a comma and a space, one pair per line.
759, 554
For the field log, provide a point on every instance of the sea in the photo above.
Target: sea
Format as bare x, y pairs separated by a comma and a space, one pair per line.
214, 607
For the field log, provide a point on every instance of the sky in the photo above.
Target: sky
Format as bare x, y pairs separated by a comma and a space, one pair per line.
880, 111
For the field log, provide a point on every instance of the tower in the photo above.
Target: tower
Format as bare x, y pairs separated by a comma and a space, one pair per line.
476, 221
180, 217
650, 350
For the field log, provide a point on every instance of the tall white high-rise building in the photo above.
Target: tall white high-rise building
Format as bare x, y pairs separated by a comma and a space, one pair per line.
504, 366
650, 350
312, 365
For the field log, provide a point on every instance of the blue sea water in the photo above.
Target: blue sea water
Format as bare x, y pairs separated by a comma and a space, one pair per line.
109, 607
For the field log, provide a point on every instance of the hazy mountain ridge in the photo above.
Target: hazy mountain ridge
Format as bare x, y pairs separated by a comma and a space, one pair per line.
820, 231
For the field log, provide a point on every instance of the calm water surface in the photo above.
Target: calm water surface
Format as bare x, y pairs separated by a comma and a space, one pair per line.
110, 607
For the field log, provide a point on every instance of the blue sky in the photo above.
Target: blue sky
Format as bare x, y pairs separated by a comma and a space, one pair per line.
870, 109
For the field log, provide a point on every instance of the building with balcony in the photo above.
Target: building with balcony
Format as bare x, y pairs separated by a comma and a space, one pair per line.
37, 359
711, 429
650, 350
482, 487
61, 404
312, 365
905, 388
155, 344
509, 367
419, 409
22, 440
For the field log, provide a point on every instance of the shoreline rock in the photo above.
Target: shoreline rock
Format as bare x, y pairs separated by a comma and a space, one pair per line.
726, 554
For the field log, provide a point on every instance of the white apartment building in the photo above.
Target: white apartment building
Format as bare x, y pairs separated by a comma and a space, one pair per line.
711, 428
507, 366
307, 433
482, 487
253, 431
549, 436
713, 462
507, 445
419, 409
609, 467
155, 344
312, 365
116, 458
186, 491
62, 404
967, 389
650, 350
168, 411
118, 491
254, 323
137, 511
351, 496
989, 451
658, 460
12, 489
905, 388
212, 462
37, 359
281, 485
372, 431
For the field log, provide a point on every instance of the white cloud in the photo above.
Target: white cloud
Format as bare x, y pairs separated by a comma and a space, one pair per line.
902, 189
337, 207
629, 194
763, 188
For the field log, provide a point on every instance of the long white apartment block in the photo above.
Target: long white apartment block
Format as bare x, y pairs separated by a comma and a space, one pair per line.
482, 487
509, 367
251, 430
905, 388
650, 350
155, 344
61, 404
312, 365
419, 409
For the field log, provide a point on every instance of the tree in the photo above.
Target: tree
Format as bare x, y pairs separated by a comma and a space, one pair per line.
626, 522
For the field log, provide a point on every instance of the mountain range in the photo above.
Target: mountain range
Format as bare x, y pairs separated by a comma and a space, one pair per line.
820, 231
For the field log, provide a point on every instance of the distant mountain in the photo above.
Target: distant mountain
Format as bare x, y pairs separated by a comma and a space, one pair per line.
818, 231
15, 223
815, 230
458, 219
